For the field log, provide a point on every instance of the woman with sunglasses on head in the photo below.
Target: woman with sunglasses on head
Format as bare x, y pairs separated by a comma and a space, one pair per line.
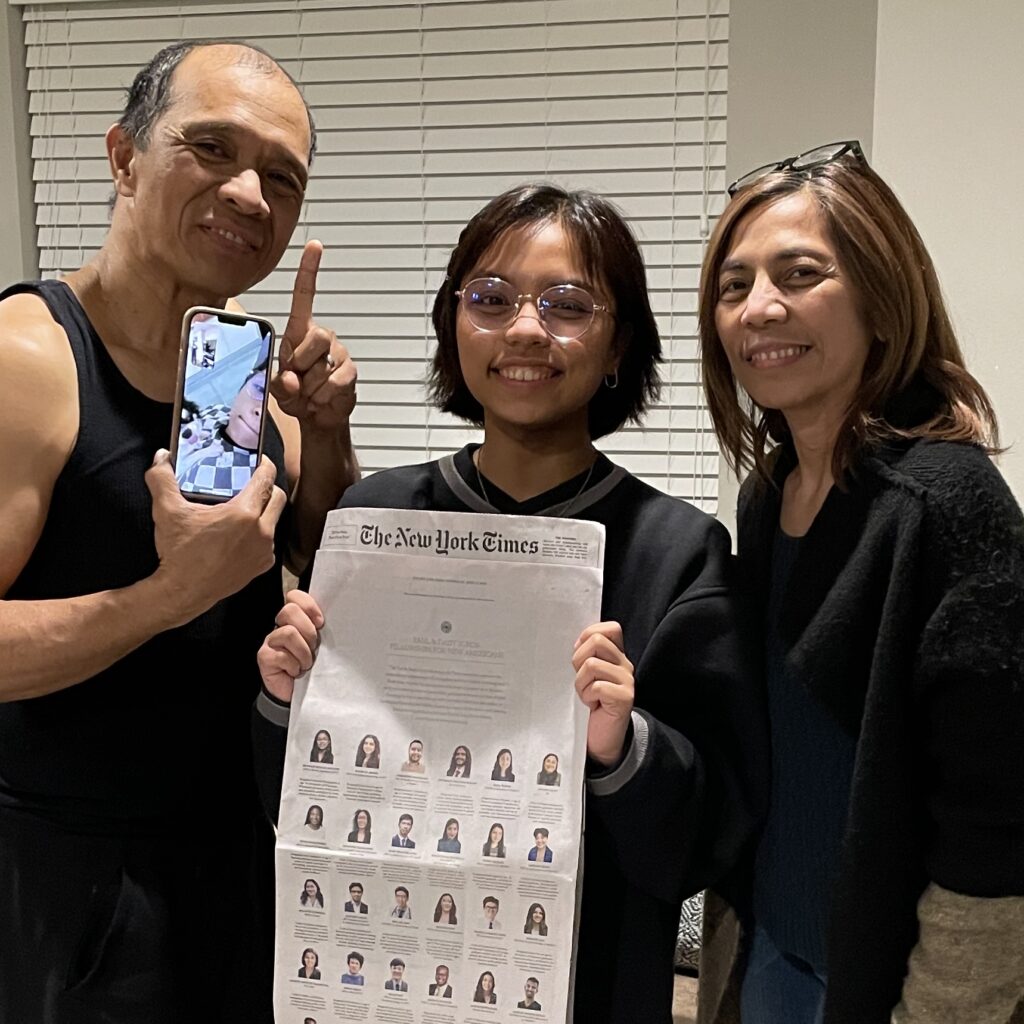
888, 558
546, 339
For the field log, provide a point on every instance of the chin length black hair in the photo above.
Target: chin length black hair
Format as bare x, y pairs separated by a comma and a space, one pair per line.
609, 254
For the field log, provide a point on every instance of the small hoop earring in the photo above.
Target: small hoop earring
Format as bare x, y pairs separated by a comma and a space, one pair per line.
611, 382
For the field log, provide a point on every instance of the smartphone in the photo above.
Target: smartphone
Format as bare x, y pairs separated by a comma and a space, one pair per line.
220, 405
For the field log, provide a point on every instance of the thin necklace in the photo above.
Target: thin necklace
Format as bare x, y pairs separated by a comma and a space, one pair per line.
562, 510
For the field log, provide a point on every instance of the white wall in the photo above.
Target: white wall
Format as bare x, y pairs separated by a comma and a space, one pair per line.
949, 91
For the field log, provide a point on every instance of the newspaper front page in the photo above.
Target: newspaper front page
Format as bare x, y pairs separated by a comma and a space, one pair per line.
429, 833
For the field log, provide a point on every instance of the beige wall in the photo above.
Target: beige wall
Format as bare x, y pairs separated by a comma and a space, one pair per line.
801, 72
948, 98
18, 255
934, 88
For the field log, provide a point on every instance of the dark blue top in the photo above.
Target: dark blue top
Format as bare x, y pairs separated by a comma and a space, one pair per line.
812, 770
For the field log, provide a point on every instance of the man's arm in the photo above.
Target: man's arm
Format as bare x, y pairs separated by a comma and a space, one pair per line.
49, 645
321, 466
315, 384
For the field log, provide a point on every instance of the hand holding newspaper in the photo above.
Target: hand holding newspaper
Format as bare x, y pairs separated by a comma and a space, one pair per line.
431, 815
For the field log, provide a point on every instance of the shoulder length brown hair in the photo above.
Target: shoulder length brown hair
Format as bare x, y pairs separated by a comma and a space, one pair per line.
914, 383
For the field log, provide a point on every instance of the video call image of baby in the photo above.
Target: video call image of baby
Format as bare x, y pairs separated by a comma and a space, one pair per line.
222, 405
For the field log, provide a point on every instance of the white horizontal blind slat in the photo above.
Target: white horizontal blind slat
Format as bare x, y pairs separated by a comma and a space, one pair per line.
359, 15
424, 112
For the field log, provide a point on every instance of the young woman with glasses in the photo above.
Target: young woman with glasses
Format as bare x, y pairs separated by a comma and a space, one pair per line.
888, 558
546, 339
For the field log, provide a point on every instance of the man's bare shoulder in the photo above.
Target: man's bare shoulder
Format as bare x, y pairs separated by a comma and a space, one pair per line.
34, 351
26, 322
38, 379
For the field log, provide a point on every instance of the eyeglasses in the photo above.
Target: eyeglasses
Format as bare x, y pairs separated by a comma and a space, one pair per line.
565, 311
805, 163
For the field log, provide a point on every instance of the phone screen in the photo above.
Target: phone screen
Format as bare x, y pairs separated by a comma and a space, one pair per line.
223, 381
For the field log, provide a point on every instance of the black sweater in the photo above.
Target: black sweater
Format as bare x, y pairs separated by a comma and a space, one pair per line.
905, 619
677, 812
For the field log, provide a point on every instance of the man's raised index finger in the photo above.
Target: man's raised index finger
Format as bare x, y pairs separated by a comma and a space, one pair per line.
303, 293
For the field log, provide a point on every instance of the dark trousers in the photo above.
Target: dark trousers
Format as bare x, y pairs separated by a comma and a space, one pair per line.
101, 930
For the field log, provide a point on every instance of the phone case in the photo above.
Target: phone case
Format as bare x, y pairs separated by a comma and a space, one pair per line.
222, 367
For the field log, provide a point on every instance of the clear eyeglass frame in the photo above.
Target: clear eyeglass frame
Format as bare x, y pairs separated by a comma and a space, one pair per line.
490, 323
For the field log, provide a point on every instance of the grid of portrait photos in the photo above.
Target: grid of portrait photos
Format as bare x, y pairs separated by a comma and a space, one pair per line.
446, 902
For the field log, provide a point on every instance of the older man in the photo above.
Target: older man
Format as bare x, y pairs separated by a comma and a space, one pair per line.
131, 617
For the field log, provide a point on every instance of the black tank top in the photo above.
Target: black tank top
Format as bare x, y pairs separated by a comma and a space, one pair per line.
161, 738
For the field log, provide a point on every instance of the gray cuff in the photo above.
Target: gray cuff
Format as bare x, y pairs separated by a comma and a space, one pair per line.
272, 711
606, 785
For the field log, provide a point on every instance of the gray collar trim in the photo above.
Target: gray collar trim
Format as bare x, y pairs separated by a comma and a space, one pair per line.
461, 489
474, 501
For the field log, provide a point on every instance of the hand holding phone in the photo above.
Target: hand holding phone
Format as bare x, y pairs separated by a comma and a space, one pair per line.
316, 382
221, 402
210, 551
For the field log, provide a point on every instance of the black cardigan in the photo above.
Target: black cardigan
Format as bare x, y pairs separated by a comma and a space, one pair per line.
905, 617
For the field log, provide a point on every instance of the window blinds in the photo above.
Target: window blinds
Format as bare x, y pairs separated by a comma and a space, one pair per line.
425, 111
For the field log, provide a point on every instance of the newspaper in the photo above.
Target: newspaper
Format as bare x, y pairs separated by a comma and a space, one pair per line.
428, 854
